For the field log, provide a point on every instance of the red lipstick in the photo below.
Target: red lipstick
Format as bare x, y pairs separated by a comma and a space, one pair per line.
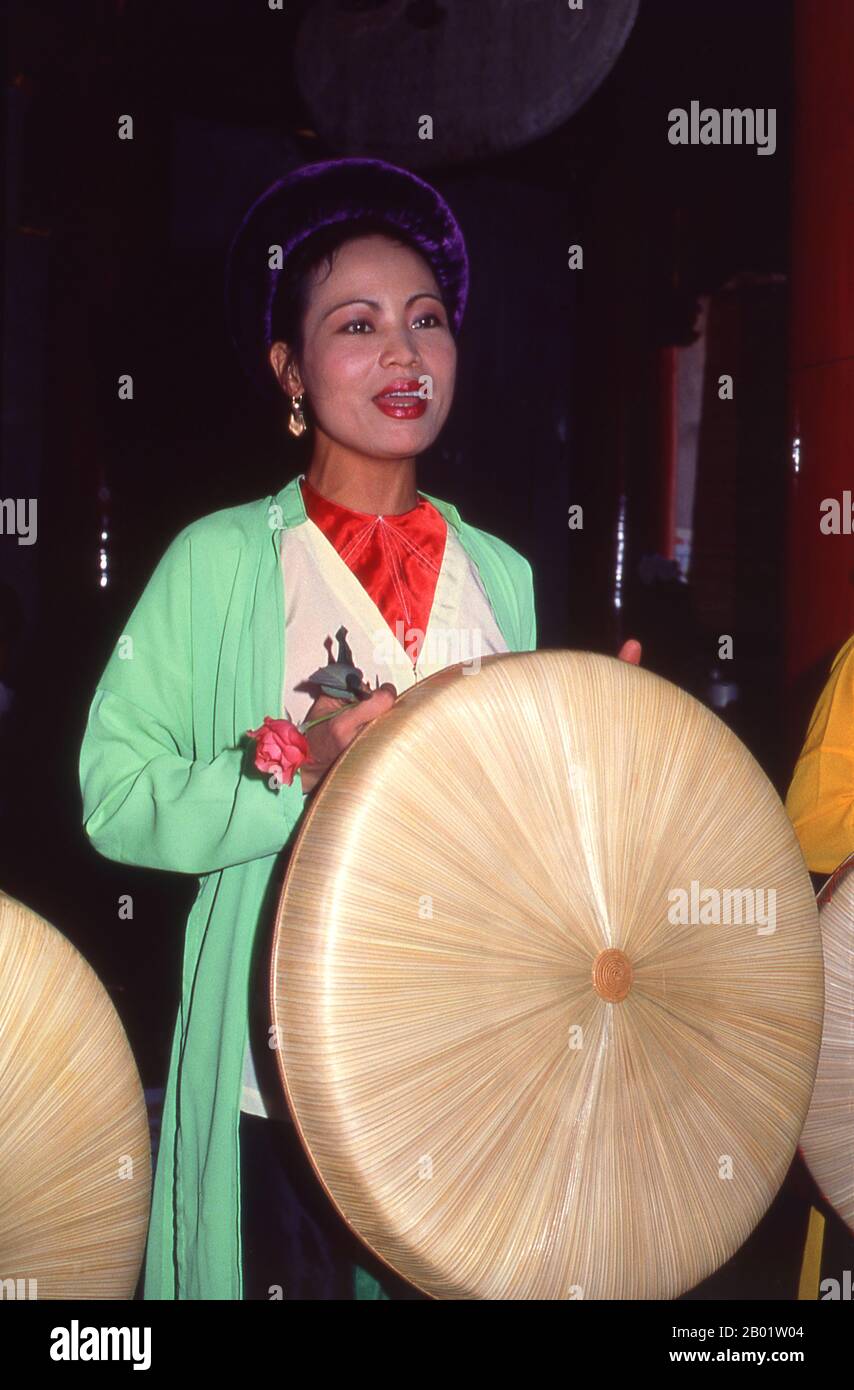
401, 400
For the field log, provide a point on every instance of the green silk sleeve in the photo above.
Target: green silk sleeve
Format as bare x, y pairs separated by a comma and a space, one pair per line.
528, 611
148, 798
365, 1286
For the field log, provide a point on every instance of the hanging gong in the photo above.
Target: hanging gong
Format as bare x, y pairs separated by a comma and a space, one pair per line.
518, 1070
75, 1161
488, 78
828, 1138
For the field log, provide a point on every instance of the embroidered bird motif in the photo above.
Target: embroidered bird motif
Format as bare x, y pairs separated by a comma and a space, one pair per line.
339, 677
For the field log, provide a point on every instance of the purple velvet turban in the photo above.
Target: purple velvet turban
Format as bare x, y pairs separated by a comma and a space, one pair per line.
316, 196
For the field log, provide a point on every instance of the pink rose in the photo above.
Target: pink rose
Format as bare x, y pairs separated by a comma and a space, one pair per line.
280, 748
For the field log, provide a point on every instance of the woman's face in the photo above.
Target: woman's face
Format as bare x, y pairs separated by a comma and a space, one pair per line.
377, 320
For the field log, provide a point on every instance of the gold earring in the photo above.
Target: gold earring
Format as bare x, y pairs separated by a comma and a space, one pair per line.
297, 424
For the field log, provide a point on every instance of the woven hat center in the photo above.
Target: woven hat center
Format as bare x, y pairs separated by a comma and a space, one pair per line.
612, 975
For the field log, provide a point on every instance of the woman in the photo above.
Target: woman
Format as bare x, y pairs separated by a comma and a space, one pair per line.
347, 285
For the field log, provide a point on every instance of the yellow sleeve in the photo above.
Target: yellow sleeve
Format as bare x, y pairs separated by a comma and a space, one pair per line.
820, 802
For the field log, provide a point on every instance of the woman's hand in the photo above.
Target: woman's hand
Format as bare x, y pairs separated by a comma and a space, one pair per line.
631, 652
330, 738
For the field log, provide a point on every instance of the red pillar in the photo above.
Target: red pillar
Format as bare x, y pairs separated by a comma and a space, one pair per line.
820, 571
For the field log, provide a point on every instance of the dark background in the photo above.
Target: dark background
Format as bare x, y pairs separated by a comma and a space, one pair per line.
115, 263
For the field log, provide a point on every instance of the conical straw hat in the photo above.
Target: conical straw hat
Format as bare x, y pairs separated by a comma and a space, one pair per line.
75, 1164
828, 1138
514, 1075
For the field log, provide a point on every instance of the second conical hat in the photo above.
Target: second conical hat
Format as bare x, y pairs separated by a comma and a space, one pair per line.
519, 1067
75, 1163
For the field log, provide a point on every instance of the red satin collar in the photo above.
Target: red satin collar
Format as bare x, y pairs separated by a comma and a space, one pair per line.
395, 558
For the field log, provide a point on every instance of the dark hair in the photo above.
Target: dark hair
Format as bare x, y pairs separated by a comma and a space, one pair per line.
287, 315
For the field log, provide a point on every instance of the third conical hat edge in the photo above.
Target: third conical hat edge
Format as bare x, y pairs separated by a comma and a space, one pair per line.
828, 1138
